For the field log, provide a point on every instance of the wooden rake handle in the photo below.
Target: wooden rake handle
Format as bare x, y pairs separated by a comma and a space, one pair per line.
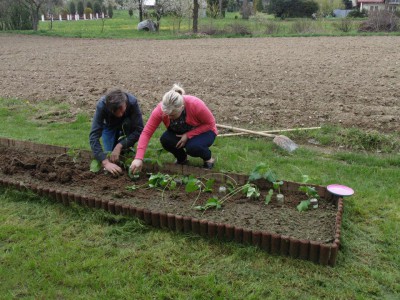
246, 130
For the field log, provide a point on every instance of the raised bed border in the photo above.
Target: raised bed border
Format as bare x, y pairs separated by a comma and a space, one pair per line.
324, 254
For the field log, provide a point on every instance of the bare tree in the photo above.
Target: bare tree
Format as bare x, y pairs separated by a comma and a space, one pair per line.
195, 15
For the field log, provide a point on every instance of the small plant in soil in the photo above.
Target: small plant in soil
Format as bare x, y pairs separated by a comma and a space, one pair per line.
95, 166
262, 171
310, 192
74, 154
277, 188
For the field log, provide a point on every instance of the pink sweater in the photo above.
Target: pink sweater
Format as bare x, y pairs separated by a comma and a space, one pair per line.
197, 115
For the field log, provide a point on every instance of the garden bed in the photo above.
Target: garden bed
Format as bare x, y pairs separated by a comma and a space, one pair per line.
64, 175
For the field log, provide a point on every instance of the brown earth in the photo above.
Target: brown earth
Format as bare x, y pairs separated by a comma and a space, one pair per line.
61, 172
258, 82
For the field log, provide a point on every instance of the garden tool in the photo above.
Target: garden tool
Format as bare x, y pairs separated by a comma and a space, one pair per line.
268, 131
280, 140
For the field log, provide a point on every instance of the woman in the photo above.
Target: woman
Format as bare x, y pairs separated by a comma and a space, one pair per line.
191, 129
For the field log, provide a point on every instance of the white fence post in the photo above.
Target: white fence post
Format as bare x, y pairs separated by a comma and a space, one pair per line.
97, 15
59, 17
91, 16
43, 18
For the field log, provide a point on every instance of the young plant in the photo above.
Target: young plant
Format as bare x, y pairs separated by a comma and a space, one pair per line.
251, 191
311, 193
164, 181
262, 171
211, 203
95, 166
74, 154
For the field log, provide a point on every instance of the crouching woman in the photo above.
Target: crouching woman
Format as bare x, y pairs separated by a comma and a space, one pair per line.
191, 129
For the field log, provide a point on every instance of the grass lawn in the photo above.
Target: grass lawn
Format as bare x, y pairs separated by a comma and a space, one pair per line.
260, 25
51, 251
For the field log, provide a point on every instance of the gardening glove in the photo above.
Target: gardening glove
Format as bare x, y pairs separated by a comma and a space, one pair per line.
136, 166
114, 157
112, 168
182, 141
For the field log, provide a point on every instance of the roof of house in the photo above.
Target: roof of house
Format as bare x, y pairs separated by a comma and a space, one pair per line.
371, 1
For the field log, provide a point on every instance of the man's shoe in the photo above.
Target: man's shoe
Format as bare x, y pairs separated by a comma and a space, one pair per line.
209, 164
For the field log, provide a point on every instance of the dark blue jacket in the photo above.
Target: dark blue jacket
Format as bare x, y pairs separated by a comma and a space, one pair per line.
105, 118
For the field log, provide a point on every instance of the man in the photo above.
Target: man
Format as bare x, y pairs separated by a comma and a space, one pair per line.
118, 121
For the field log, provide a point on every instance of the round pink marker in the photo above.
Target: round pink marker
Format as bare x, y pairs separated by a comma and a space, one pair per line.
340, 190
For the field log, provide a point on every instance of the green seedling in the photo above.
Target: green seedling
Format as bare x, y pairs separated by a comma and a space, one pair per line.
164, 181
311, 192
277, 186
268, 197
262, 171
251, 191
95, 166
133, 177
211, 203
74, 154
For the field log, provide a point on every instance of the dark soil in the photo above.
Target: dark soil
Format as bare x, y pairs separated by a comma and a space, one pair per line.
60, 172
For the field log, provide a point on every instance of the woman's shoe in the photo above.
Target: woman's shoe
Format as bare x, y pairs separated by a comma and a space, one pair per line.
209, 164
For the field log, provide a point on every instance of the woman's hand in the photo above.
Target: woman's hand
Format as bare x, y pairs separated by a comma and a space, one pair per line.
182, 141
136, 166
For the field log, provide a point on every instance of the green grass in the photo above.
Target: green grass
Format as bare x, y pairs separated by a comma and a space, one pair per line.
51, 251
123, 26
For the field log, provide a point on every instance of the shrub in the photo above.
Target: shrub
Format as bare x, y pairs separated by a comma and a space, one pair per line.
344, 25
292, 8
381, 20
272, 27
303, 26
239, 29
210, 30
356, 13
87, 12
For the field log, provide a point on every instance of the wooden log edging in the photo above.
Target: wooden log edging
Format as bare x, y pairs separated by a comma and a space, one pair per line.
324, 254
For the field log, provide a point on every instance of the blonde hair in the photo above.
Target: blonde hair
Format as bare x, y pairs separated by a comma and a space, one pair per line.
173, 100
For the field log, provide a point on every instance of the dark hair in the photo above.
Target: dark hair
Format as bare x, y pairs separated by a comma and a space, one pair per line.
115, 99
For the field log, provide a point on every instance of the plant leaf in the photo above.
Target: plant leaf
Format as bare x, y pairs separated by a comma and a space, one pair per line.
303, 206
192, 185
268, 197
95, 166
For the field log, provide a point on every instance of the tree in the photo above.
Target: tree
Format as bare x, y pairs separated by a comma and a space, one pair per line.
34, 6
195, 15
97, 7
217, 7
110, 11
246, 10
80, 8
259, 7
72, 8
15, 15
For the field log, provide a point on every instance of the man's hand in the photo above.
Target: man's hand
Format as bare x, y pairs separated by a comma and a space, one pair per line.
182, 141
136, 166
114, 157
112, 168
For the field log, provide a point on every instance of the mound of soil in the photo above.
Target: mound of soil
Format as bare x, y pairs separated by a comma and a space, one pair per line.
65, 173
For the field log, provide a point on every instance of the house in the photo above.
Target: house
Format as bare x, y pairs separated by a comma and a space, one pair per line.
375, 5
